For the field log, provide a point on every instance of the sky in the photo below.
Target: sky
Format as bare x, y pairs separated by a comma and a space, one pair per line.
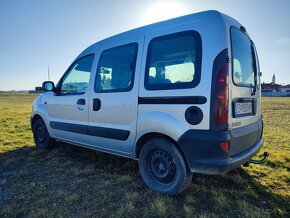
35, 34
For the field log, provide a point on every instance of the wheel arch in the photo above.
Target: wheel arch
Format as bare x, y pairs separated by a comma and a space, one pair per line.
155, 135
33, 119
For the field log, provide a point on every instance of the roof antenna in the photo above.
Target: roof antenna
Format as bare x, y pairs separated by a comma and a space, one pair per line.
48, 73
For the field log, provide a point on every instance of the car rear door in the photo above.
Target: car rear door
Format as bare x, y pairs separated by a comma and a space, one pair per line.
244, 87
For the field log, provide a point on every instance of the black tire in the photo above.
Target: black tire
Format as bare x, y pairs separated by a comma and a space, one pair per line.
41, 136
163, 168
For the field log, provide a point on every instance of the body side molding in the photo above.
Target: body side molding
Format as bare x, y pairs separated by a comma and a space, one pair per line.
118, 134
173, 100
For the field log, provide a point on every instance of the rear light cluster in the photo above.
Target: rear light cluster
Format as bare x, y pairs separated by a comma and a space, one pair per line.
221, 105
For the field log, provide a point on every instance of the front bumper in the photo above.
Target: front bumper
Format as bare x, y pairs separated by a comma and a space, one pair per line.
204, 154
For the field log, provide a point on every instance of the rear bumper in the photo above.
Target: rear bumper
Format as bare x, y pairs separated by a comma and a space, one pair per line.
204, 154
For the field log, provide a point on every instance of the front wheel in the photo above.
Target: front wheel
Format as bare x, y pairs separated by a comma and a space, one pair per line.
41, 136
163, 168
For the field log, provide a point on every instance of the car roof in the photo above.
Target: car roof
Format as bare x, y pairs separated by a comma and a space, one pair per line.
212, 15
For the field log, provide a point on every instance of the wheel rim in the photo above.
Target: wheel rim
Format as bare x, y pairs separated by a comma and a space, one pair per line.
40, 133
161, 166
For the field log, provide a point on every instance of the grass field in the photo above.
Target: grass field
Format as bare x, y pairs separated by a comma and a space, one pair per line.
72, 181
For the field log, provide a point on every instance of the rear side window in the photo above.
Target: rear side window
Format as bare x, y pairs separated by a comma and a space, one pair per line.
116, 69
173, 61
243, 62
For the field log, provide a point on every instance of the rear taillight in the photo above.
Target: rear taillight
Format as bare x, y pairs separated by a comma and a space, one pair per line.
221, 97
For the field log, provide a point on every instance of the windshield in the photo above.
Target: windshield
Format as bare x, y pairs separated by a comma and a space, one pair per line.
243, 59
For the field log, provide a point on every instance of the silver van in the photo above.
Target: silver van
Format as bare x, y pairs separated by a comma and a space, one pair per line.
181, 96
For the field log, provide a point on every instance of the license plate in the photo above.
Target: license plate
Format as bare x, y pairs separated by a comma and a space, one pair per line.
243, 108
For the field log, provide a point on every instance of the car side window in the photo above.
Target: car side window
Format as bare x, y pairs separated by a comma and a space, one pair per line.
77, 78
173, 61
116, 69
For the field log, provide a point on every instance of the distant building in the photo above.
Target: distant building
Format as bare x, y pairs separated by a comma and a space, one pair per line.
38, 89
273, 79
273, 89
285, 88
272, 86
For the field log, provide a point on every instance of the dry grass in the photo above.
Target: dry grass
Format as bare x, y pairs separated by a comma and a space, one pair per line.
71, 181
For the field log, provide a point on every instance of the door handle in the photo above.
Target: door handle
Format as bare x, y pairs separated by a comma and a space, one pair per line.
81, 101
96, 104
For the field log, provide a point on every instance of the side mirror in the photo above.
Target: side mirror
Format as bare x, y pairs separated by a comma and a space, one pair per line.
48, 86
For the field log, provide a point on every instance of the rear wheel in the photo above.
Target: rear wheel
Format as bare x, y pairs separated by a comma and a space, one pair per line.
163, 168
41, 136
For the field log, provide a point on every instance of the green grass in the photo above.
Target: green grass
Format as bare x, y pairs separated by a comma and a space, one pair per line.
71, 181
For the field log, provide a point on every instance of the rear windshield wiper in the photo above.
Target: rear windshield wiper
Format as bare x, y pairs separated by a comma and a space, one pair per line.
254, 90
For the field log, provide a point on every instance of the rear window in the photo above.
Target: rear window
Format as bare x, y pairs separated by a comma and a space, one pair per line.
173, 61
243, 59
